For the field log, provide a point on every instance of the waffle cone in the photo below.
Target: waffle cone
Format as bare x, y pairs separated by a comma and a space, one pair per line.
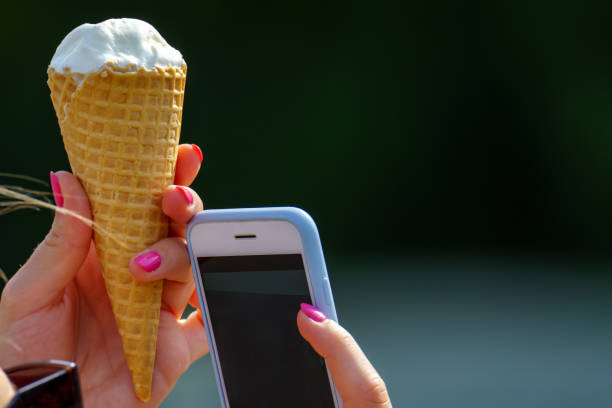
121, 131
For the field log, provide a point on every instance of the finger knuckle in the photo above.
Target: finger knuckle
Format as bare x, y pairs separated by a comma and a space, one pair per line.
348, 343
12, 296
340, 335
53, 239
375, 392
6, 297
345, 338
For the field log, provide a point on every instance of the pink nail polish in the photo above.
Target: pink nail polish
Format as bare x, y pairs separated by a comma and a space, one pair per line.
149, 261
186, 194
198, 151
312, 312
57, 190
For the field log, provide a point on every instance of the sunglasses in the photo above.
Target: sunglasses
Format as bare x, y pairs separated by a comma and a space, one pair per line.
52, 383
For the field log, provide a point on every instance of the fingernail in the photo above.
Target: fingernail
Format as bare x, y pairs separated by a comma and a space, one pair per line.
200, 318
186, 194
312, 312
197, 149
149, 261
57, 190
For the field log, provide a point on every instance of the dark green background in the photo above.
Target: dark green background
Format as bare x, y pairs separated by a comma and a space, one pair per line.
405, 128
412, 126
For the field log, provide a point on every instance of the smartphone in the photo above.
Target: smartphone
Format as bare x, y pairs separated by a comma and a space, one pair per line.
252, 268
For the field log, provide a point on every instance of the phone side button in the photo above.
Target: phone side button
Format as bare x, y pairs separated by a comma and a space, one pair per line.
326, 289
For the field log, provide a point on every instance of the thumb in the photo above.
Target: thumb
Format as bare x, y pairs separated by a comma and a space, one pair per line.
357, 381
56, 260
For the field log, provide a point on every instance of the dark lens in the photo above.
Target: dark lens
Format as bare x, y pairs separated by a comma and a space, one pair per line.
25, 376
46, 385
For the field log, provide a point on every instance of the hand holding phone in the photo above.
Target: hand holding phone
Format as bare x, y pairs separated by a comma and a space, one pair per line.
357, 382
253, 268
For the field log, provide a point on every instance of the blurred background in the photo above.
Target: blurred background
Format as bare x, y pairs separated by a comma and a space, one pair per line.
456, 157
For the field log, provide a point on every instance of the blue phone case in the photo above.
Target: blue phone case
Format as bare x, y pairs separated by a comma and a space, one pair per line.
313, 258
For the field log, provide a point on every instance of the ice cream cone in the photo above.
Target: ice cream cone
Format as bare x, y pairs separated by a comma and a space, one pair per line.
121, 128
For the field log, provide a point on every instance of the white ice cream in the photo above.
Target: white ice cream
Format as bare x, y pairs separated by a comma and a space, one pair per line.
127, 42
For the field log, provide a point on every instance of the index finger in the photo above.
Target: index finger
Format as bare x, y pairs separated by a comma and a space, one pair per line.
357, 381
188, 163
180, 204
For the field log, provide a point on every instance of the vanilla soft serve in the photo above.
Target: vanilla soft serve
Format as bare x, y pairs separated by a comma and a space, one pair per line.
126, 42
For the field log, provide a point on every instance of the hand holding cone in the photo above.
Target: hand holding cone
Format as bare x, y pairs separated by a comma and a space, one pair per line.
121, 129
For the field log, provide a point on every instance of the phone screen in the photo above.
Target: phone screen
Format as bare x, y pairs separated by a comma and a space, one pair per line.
253, 302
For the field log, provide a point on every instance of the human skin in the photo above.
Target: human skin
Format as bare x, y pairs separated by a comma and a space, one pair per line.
6, 389
358, 383
56, 307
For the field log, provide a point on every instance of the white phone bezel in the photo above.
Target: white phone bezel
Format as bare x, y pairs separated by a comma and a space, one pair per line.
272, 237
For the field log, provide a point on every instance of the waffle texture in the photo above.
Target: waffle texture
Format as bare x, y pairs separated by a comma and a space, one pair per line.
121, 130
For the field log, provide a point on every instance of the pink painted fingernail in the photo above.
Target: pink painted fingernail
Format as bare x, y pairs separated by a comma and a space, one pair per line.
186, 194
197, 149
149, 261
312, 312
57, 190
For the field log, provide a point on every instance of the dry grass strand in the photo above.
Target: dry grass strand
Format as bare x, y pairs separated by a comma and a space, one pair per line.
22, 200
